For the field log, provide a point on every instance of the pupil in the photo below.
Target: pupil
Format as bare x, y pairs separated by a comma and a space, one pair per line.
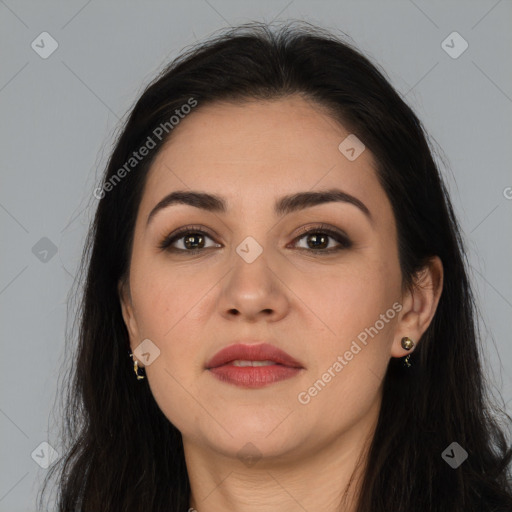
316, 241
189, 241
316, 238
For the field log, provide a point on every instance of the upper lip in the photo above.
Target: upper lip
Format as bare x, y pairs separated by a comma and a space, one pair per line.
252, 352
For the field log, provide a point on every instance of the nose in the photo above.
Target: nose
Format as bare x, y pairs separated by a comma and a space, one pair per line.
254, 291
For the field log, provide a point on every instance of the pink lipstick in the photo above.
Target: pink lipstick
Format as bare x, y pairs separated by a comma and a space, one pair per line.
253, 366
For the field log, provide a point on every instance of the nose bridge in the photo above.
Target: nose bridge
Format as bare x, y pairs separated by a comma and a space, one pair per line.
252, 286
250, 268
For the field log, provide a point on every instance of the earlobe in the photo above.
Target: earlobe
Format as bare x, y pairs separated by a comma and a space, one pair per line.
421, 304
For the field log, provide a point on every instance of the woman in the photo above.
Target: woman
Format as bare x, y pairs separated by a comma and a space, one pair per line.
276, 312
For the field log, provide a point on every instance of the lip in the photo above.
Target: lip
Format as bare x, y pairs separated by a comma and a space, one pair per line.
284, 367
252, 352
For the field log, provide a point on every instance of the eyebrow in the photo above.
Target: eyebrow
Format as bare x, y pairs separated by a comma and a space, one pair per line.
287, 204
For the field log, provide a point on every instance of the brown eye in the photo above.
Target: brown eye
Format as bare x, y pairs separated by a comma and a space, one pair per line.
317, 240
193, 241
320, 240
186, 240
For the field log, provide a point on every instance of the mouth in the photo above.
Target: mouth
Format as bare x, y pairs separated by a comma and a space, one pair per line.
253, 366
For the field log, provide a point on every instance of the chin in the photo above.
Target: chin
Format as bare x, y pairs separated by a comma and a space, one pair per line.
249, 448
270, 436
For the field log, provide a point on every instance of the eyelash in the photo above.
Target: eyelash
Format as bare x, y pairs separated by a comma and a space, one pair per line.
341, 238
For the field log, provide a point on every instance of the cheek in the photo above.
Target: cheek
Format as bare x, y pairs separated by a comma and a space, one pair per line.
172, 307
345, 299
163, 292
354, 323
168, 305
352, 353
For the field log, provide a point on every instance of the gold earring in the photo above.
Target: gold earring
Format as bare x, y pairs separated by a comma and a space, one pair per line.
135, 367
407, 344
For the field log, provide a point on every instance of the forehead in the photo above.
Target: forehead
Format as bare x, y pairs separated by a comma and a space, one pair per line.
255, 151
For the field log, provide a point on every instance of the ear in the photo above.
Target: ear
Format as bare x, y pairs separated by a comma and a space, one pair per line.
419, 305
127, 310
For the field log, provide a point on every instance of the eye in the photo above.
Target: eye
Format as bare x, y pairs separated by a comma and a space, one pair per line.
190, 238
318, 239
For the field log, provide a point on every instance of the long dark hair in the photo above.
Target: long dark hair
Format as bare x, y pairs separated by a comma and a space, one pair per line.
123, 454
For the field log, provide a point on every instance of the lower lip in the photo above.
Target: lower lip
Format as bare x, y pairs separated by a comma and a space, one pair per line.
254, 376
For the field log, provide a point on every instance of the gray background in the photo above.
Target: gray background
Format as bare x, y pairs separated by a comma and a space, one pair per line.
59, 116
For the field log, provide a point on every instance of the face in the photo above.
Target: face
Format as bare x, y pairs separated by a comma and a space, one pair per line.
330, 298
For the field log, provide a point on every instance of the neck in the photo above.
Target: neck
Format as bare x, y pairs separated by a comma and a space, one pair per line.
326, 477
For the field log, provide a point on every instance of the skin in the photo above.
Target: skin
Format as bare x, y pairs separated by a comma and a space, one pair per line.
311, 306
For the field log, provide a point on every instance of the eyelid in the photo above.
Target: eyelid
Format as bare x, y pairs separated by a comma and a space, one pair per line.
319, 227
165, 244
342, 239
